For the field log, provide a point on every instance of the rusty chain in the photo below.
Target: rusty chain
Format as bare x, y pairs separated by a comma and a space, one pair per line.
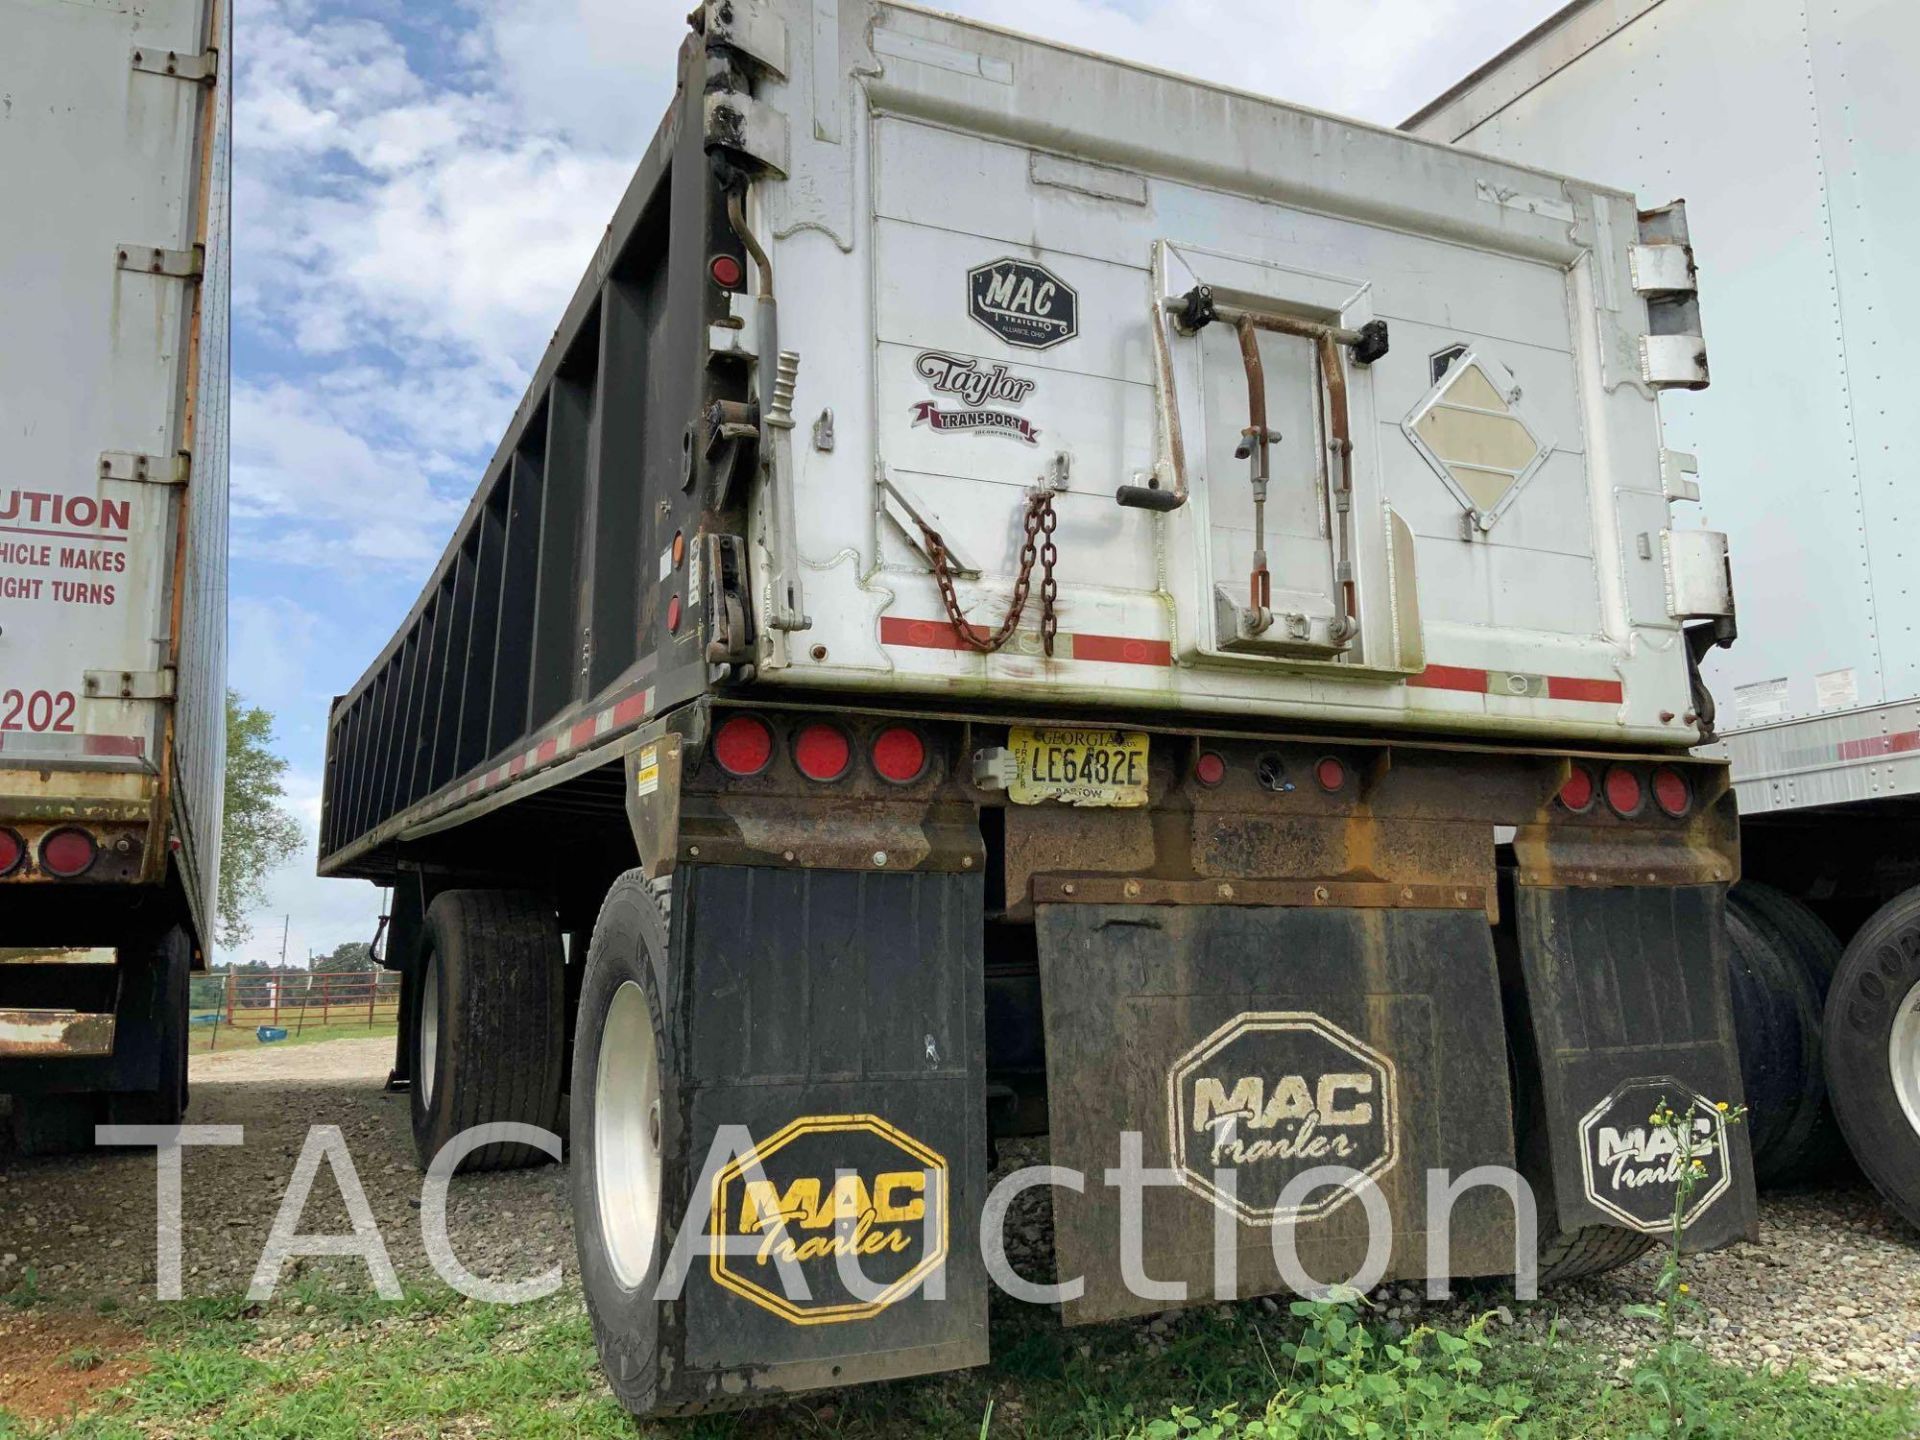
1040, 521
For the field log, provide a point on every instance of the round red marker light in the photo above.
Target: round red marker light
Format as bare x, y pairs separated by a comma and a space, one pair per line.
743, 745
1671, 792
67, 853
726, 271
1624, 794
1209, 769
822, 752
1577, 794
13, 850
899, 754
673, 615
1331, 774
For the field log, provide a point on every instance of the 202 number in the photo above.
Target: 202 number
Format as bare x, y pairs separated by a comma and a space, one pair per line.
39, 711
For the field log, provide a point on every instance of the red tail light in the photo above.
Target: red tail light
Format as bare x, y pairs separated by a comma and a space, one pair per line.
1331, 773
899, 754
13, 850
1209, 769
727, 272
743, 745
1624, 795
67, 853
1671, 792
822, 751
1577, 794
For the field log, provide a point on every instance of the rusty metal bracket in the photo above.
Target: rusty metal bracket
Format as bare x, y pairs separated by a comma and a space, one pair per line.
153, 260
146, 469
54, 1035
1297, 894
202, 68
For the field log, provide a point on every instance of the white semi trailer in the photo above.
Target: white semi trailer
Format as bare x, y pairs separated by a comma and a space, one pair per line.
1790, 130
113, 513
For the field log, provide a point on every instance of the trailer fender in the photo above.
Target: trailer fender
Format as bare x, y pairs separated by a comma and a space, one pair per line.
1244, 1045
1624, 996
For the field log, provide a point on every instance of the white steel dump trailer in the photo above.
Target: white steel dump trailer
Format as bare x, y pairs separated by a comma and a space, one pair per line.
113, 514
1790, 129
1018, 600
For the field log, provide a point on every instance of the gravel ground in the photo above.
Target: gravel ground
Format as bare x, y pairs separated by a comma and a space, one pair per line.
1834, 1282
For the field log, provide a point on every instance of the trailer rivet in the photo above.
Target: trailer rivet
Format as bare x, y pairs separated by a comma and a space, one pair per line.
1322, 894
1132, 888
1226, 892
966, 862
879, 857
693, 850
1066, 889
819, 652
786, 855
1406, 893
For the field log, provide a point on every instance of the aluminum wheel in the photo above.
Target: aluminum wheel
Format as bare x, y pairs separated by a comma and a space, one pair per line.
429, 1026
1903, 1056
626, 1135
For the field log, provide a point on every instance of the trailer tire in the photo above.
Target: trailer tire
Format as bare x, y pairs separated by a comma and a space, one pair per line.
629, 1155
1780, 960
489, 1029
1590, 1250
155, 1002
1873, 1050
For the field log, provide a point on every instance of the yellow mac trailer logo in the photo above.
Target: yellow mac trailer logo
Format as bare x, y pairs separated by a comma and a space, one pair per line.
833, 1218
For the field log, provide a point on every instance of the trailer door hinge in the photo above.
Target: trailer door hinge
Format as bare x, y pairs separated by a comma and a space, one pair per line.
752, 28
146, 469
200, 69
152, 260
129, 684
752, 129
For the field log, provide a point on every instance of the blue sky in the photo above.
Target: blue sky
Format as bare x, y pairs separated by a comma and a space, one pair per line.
418, 187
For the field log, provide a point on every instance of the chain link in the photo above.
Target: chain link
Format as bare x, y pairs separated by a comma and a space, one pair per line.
1040, 520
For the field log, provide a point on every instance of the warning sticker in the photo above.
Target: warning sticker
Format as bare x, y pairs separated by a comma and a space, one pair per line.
1760, 702
646, 774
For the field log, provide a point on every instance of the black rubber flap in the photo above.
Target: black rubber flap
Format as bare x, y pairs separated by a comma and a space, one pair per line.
1626, 995
837, 1017
1246, 1045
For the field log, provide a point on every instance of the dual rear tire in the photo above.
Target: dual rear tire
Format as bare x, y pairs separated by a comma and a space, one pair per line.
1873, 1050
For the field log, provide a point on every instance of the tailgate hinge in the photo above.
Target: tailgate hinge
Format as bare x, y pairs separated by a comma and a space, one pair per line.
152, 260
200, 69
146, 469
130, 684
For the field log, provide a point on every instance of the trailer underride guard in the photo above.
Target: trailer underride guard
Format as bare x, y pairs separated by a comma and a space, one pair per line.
1030, 596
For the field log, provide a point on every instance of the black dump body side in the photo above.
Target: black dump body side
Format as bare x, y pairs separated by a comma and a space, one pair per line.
563, 595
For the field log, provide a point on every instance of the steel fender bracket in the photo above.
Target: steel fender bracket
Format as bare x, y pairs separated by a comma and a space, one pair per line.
751, 28
1698, 579
749, 128
1246, 1044
838, 1017
1622, 1000
653, 767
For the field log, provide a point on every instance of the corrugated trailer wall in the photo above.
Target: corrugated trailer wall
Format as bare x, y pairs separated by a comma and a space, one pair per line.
546, 622
199, 727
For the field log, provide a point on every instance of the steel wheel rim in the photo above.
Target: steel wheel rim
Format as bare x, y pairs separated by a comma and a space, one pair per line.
626, 1135
429, 1027
1903, 1056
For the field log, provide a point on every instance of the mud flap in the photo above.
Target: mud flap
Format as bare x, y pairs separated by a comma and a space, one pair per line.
1246, 1045
1627, 1004
837, 1017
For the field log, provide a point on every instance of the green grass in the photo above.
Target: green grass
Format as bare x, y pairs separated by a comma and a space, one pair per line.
223, 1037
325, 1362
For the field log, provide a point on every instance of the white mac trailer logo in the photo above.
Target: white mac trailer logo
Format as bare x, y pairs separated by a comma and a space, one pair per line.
1270, 1095
1631, 1167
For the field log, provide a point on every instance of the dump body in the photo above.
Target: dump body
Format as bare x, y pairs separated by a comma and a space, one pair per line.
979, 252
113, 489
1792, 149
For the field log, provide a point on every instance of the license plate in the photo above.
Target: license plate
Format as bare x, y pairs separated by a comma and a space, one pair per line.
1079, 767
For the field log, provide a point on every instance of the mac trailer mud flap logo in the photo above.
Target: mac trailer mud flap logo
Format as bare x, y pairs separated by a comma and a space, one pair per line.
832, 1219
1271, 1095
1023, 303
1630, 1167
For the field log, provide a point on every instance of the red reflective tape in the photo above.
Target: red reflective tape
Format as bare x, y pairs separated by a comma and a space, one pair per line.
631, 709
516, 765
1879, 745
1122, 650
113, 745
583, 731
1599, 692
1110, 649
1450, 677
545, 751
